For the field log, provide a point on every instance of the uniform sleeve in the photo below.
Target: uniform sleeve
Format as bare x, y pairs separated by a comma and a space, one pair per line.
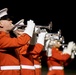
59, 56
37, 49
6, 41
68, 62
22, 50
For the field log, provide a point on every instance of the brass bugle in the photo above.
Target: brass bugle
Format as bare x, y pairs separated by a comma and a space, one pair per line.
46, 27
19, 24
39, 26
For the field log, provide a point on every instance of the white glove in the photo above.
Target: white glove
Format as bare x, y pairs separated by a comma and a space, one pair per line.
70, 47
41, 37
46, 45
49, 52
65, 50
30, 28
72, 55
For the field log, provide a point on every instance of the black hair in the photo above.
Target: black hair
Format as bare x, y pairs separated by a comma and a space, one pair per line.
6, 17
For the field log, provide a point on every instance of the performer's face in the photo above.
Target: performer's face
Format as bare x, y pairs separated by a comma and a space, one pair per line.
57, 43
6, 25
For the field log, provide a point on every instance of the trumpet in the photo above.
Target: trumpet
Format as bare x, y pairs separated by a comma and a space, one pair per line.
54, 36
64, 45
38, 28
45, 27
18, 25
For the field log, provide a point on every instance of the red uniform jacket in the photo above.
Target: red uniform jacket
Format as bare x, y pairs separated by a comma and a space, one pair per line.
57, 57
7, 41
26, 54
37, 59
9, 63
56, 62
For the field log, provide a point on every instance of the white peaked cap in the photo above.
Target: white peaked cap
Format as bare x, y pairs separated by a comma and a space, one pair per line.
21, 22
3, 12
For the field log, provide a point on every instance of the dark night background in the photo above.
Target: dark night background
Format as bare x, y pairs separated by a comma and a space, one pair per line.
62, 14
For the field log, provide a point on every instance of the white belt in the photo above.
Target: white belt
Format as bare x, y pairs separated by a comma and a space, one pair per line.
27, 67
56, 68
9, 67
37, 66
